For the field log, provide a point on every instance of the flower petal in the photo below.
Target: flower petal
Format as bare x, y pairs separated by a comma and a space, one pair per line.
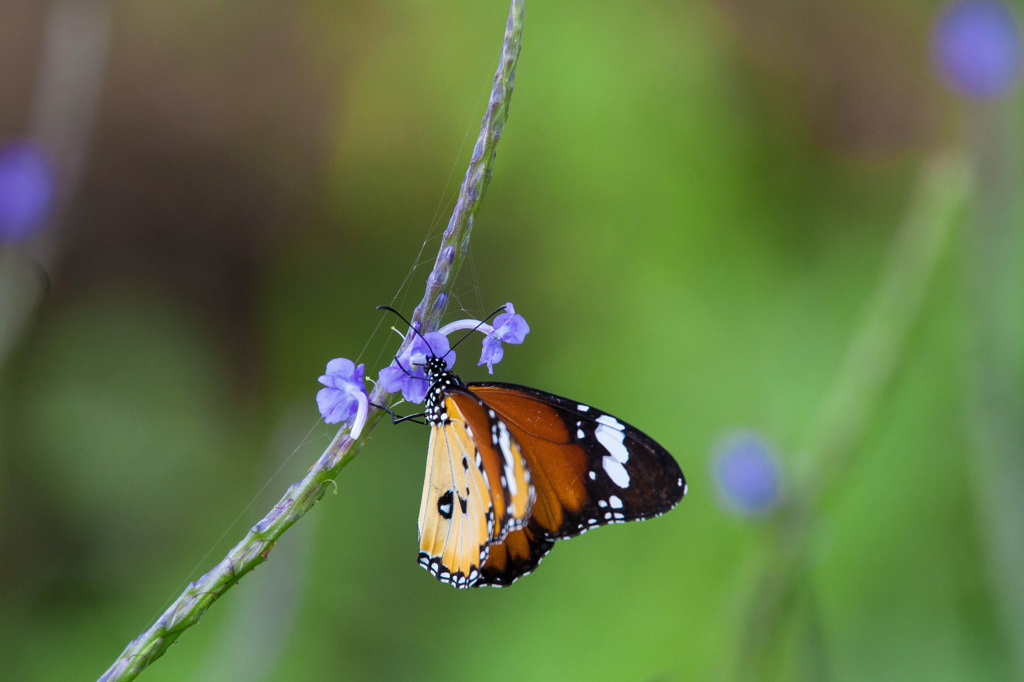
335, 405
345, 390
392, 378
362, 411
415, 389
511, 327
342, 368
492, 353
439, 347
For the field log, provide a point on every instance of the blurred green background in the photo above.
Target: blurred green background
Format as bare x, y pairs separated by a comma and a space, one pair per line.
692, 205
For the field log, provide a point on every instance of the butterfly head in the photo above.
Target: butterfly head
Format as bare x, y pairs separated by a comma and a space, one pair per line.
435, 368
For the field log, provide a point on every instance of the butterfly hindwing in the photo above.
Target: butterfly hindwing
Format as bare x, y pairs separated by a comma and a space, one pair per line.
456, 519
516, 556
476, 490
589, 468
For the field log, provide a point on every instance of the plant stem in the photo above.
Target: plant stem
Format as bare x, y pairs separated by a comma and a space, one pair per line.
874, 356
300, 497
871, 364
995, 275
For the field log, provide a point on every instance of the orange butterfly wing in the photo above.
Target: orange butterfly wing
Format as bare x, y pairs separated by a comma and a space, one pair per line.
588, 469
516, 556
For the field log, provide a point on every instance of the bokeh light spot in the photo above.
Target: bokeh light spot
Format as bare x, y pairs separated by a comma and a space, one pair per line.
747, 474
27, 190
976, 45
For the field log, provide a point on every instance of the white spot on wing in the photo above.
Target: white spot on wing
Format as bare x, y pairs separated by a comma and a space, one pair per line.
613, 441
510, 465
615, 502
583, 408
611, 421
613, 467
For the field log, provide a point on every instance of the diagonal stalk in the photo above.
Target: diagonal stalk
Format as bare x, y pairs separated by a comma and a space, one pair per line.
872, 363
300, 497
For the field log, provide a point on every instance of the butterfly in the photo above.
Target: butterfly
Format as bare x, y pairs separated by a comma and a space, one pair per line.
512, 469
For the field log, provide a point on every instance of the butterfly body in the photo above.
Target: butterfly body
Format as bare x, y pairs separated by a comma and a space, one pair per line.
511, 470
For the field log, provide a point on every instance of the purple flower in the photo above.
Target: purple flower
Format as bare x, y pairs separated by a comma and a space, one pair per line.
345, 394
976, 45
409, 378
28, 188
509, 327
747, 473
406, 375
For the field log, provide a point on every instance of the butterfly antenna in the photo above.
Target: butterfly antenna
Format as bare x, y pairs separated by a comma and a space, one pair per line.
479, 324
407, 323
411, 376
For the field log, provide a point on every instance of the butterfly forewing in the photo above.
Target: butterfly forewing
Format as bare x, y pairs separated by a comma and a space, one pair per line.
588, 468
504, 464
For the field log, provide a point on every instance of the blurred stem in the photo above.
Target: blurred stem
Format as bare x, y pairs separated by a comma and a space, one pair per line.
871, 363
22, 287
874, 355
72, 63
995, 274
300, 497
813, 659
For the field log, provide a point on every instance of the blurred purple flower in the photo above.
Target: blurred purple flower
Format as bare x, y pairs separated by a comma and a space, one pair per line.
345, 394
28, 187
409, 378
747, 473
976, 45
509, 327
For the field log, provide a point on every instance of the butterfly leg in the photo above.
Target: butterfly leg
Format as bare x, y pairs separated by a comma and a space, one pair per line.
395, 419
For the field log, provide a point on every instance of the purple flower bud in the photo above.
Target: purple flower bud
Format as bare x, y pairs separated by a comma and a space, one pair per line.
28, 188
509, 327
345, 394
409, 377
441, 302
747, 474
976, 45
